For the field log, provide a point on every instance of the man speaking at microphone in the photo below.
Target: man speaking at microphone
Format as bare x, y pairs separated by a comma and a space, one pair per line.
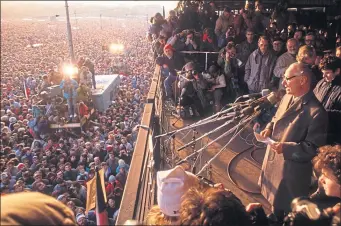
298, 128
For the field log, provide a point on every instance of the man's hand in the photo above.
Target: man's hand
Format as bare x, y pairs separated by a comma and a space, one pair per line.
277, 147
251, 206
266, 133
165, 66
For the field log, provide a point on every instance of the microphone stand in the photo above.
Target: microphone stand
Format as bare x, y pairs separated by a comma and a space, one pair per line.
206, 120
211, 142
206, 134
246, 123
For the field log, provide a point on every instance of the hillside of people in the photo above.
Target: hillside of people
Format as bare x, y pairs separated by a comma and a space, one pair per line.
249, 51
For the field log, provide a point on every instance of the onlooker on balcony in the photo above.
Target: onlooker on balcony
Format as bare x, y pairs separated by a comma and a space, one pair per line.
171, 186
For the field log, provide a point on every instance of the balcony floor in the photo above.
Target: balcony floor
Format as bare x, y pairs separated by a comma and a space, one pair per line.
245, 164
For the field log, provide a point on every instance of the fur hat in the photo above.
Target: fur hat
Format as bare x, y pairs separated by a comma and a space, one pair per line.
171, 186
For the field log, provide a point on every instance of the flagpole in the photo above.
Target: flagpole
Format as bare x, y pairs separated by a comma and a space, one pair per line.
101, 213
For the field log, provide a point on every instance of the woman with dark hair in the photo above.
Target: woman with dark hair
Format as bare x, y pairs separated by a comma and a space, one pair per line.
328, 165
328, 92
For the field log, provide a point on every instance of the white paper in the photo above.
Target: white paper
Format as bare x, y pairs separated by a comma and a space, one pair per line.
260, 138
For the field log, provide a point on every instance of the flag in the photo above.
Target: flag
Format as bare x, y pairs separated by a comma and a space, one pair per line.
92, 191
101, 199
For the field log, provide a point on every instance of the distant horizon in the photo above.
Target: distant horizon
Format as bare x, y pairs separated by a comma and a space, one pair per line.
33, 9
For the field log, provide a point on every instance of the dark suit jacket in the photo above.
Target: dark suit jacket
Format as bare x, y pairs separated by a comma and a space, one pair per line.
302, 128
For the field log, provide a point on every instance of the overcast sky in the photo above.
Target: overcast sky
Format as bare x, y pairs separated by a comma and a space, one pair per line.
30, 7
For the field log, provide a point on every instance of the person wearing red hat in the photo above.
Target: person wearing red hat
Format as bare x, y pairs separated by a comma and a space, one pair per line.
170, 62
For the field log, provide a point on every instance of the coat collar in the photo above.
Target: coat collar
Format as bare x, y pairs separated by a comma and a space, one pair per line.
285, 111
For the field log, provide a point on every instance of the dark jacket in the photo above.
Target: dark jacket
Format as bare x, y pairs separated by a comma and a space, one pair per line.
175, 63
329, 94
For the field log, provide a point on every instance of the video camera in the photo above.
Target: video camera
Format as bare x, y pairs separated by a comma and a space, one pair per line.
305, 212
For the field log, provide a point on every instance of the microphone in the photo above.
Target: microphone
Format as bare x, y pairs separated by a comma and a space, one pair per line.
264, 92
263, 103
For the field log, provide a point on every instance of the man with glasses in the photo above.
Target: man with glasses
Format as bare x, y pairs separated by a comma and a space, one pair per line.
310, 39
298, 128
328, 92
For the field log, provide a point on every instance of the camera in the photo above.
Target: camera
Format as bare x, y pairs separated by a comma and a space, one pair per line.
305, 212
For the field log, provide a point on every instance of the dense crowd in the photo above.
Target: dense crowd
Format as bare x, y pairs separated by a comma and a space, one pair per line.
59, 162
253, 51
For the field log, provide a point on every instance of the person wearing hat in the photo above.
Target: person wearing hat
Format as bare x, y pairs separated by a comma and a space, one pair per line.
170, 62
277, 46
171, 186
39, 209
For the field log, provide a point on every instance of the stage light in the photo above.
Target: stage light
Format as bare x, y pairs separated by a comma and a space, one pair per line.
70, 70
116, 48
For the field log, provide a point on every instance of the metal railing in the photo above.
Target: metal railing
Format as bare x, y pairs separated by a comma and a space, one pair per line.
140, 189
197, 52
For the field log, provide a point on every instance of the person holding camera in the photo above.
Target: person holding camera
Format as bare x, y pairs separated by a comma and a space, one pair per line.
217, 84
69, 87
231, 65
223, 23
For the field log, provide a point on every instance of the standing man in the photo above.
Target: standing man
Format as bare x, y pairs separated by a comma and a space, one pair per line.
222, 24
91, 67
259, 67
328, 92
298, 129
285, 60
69, 87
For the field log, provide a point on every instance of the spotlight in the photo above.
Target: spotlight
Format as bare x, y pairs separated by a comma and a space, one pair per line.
116, 48
70, 70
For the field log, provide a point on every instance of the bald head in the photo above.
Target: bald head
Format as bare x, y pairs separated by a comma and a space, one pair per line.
297, 79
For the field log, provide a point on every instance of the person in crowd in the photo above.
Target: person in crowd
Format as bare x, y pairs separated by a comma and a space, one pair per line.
158, 46
231, 66
85, 76
43, 210
222, 24
245, 48
212, 207
295, 145
310, 39
327, 164
216, 85
170, 62
338, 52
69, 86
328, 92
285, 60
208, 42
298, 35
259, 67
307, 55
277, 46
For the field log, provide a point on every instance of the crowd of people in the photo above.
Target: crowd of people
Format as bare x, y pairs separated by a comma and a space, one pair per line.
59, 162
253, 51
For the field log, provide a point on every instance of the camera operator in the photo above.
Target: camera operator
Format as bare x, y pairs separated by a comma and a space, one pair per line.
192, 92
222, 24
216, 84
231, 65
85, 76
69, 87
321, 209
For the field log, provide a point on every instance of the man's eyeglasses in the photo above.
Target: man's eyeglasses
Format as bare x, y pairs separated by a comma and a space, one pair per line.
288, 79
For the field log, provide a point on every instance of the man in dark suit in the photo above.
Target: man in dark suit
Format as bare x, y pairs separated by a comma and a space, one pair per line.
298, 129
